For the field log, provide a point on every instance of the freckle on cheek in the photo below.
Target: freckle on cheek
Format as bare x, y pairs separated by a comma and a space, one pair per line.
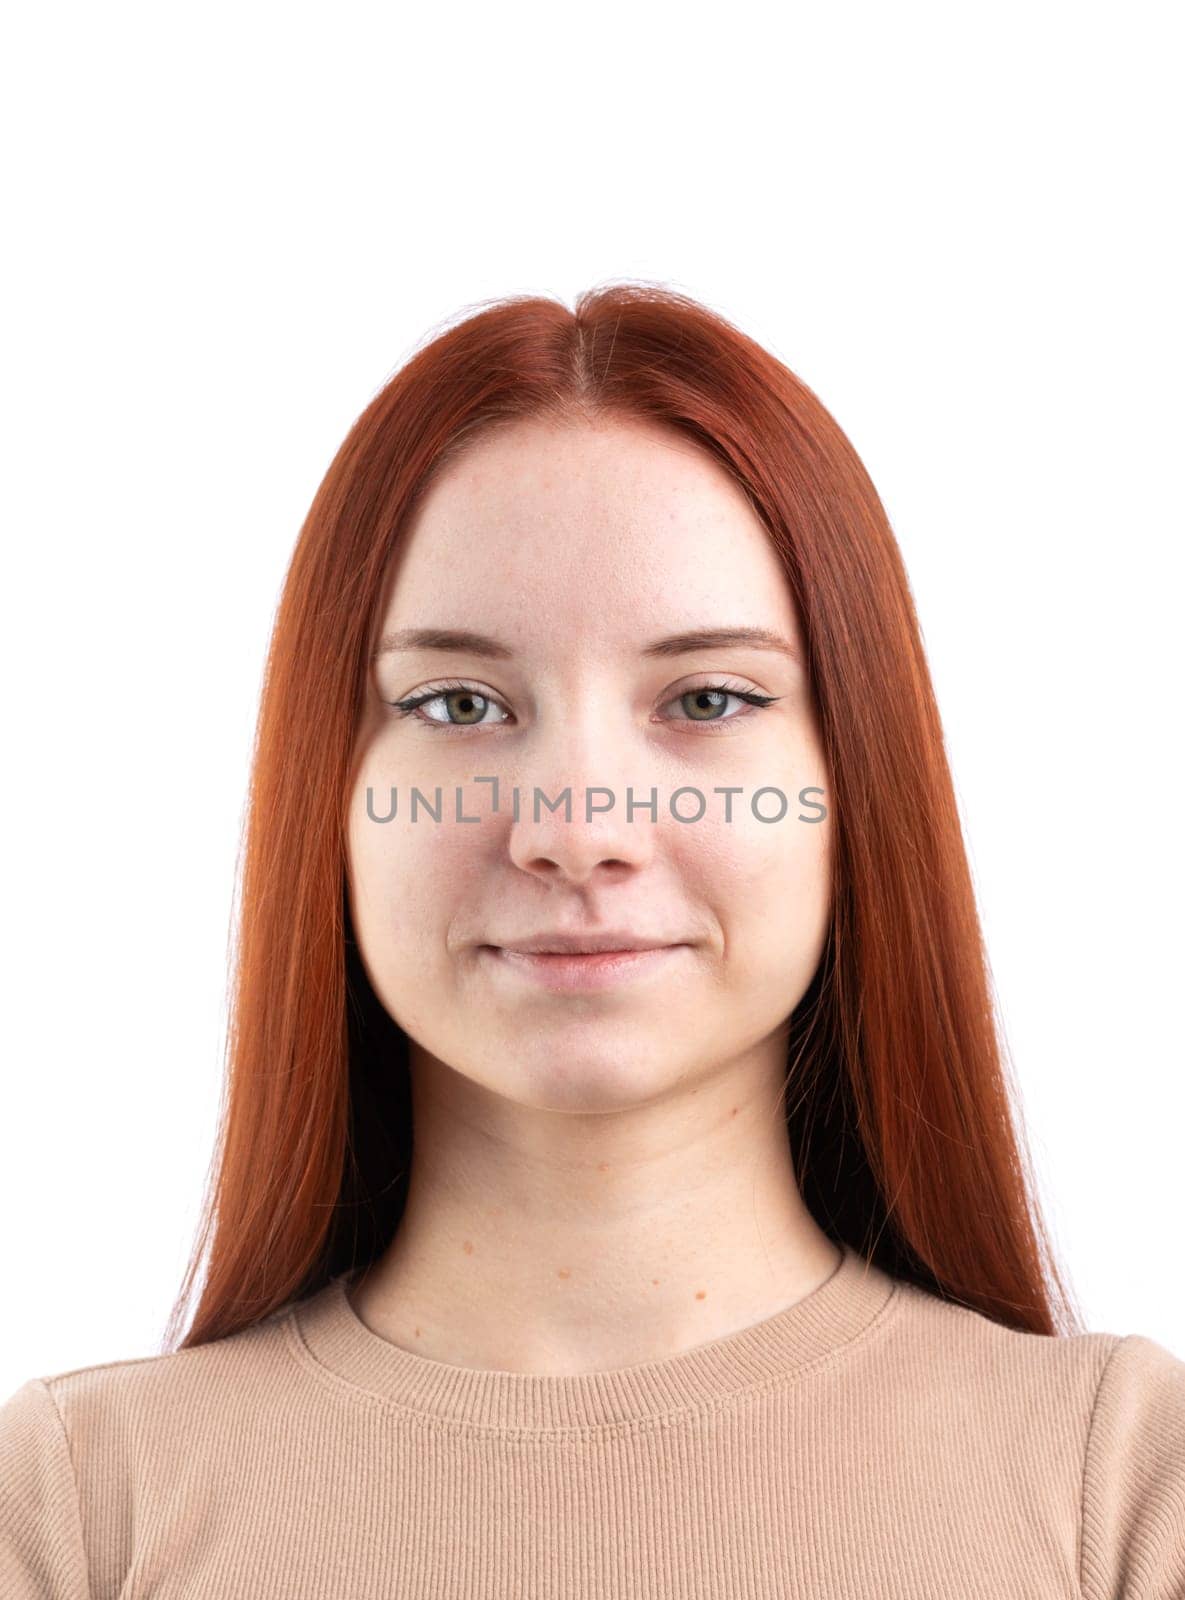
565, 1272
468, 1247
701, 1294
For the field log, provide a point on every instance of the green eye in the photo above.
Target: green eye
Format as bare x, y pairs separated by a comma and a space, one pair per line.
471, 706
467, 706
697, 697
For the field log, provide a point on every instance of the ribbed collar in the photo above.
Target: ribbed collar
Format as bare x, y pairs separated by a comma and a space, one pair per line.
327, 1328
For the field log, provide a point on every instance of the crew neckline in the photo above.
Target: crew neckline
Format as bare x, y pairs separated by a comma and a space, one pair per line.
326, 1329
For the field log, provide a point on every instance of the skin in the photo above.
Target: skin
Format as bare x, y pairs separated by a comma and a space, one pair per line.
600, 1179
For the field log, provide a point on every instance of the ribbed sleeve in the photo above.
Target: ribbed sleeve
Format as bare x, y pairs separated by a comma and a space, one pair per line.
41, 1549
1133, 1491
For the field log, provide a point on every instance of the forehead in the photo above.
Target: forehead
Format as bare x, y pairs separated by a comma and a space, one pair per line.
604, 528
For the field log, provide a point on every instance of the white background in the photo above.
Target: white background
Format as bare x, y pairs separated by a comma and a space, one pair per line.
229, 225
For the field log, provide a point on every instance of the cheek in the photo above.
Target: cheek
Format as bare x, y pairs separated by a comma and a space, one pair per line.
424, 883
406, 879
769, 887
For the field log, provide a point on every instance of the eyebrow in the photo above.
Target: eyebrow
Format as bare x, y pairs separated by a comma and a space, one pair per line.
462, 642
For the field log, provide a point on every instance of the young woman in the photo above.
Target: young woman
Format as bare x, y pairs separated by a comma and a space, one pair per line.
619, 1190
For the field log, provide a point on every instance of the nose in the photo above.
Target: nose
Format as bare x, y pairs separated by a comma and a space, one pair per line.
587, 779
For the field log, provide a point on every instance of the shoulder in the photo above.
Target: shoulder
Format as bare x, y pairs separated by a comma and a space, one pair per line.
41, 1543
105, 1408
1133, 1489
1120, 1376
77, 1448
1102, 1414
973, 1359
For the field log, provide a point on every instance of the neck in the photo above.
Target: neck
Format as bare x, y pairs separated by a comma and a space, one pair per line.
570, 1241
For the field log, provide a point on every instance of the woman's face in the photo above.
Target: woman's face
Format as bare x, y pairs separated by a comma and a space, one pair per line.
578, 549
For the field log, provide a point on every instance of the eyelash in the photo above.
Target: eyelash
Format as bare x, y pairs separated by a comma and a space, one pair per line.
409, 706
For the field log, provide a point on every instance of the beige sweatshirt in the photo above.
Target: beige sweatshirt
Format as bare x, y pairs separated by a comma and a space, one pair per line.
871, 1442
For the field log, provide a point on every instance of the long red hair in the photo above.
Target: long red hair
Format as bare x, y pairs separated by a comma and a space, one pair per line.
905, 1132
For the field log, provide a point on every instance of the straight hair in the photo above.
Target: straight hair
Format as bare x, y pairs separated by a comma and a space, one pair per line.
904, 1124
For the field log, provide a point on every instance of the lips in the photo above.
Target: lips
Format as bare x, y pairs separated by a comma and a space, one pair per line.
575, 944
575, 972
